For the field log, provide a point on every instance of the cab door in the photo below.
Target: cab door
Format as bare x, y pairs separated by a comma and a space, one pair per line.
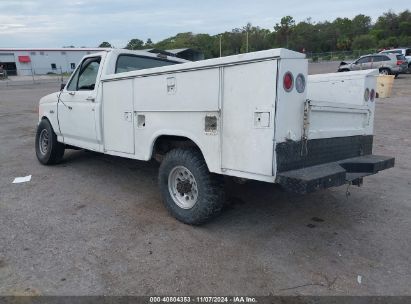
76, 108
377, 61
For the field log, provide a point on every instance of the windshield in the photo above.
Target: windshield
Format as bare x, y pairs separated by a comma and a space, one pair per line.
393, 51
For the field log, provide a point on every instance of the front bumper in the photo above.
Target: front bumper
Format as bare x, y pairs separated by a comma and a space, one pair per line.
351, 170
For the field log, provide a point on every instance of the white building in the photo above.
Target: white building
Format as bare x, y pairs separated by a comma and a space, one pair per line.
22, 61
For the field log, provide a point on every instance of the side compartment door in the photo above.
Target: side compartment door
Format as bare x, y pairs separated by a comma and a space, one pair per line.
76, 108
248, 117
118, 117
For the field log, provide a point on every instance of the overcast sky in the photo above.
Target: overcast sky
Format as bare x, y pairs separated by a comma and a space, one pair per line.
57, 23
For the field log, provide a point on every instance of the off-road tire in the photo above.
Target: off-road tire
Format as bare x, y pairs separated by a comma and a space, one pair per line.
55, 150
210, 186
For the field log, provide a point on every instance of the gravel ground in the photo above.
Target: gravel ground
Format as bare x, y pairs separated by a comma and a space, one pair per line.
96, 225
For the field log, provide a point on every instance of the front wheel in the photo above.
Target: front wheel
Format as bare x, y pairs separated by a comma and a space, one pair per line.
190, 192
48, 150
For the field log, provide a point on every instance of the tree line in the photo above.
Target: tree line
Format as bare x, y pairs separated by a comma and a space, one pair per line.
342, 34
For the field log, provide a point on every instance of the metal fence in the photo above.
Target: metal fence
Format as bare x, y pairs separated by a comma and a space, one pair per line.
338, 56
32, 76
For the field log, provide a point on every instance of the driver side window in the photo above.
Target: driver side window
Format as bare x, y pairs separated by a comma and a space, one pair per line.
85, 76
363, 60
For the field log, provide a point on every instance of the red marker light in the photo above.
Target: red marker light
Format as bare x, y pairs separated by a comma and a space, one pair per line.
288, 82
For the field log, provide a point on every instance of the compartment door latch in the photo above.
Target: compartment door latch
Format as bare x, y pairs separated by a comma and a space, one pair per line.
262, 119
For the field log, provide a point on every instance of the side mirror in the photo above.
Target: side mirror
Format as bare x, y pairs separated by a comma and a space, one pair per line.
62, 86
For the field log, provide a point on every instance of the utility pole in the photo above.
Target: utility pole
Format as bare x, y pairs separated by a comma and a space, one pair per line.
246, 48
220, 45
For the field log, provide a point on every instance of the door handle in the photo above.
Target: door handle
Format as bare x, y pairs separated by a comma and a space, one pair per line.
90, 98
72, 93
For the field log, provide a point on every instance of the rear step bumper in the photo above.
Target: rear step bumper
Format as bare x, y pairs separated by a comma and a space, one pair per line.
333, 174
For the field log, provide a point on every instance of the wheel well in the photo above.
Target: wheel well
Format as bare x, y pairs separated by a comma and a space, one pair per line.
165, 143
388, 69
46, 118
52, 127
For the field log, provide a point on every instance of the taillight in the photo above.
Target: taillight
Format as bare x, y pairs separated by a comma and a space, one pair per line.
367, 94
300, 83
372, 95
399, 62
288, 82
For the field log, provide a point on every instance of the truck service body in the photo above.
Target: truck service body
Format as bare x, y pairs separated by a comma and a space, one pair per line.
251, 116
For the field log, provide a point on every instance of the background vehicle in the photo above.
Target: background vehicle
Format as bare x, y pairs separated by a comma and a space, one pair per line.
248, 116
404, 51
387, 64
402, 62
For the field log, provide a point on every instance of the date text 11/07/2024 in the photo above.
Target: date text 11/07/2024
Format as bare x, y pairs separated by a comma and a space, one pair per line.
199, 299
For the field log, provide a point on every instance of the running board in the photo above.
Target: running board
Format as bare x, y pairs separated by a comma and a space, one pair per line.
333, 174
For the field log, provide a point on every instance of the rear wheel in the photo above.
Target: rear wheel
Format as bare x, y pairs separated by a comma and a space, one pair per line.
190, 192
385, 72
48, 150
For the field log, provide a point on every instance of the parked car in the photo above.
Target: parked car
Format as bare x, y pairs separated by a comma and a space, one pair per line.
402, 51
387, 64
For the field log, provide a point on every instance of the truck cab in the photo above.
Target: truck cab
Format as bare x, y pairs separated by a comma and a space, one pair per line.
76, 108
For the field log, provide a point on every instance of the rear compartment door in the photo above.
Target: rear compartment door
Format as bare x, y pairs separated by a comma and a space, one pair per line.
339, 104
249, 92
328, 119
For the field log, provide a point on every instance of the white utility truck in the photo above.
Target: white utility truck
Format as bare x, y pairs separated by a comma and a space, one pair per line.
252, 116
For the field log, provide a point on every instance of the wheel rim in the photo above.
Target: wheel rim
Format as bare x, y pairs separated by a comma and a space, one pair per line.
44, 141
183, 187
384, 72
